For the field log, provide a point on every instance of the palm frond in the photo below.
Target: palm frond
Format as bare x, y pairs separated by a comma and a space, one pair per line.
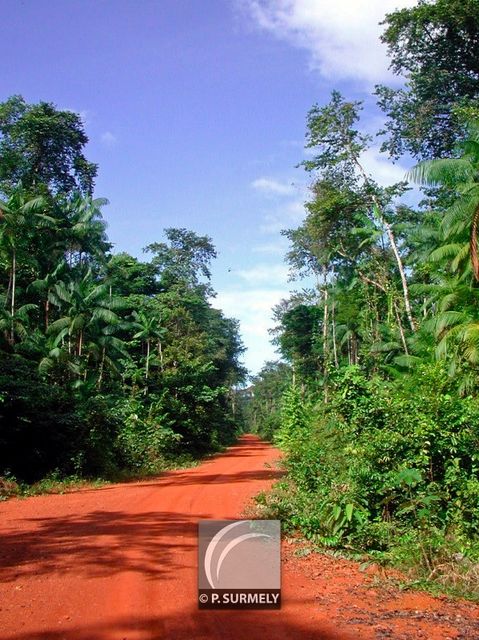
446, 251
59, 325
407, 361
448, 171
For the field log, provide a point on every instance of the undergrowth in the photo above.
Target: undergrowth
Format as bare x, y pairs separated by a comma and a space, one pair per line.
58, 483
386, 470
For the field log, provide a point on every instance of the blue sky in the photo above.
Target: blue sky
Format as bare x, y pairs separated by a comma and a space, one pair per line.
195, 110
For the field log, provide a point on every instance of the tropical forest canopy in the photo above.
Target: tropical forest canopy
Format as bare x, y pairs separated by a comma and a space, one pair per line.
107, 362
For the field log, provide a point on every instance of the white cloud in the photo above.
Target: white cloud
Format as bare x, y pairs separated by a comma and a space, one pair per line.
272, 274
295, 144
108, 139
285, 217
253, 309
273, 248
381, 169
342, 37
86, 115
272, 186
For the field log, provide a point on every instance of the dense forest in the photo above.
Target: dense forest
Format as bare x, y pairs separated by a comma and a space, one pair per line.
376, 401
107, 363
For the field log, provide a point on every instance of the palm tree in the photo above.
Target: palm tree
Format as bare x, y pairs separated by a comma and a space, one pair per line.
19, 216
44, 286
84, 329
461, 219
15, 325
149, 330
86, 231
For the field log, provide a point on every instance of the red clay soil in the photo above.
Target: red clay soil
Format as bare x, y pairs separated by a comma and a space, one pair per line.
120, 563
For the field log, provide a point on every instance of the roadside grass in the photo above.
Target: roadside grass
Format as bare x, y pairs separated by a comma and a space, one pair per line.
56, 483
53, 483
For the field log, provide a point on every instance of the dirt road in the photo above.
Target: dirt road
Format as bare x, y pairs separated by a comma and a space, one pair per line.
120, 563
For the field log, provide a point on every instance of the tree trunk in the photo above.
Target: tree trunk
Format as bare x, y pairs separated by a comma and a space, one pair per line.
354, 349
395, 308
392, 242
12, 305
160, 353
9, 289
335, 348
102, 365
407, 302
473, 244
401, 330
47, 314
325, 329
147, 367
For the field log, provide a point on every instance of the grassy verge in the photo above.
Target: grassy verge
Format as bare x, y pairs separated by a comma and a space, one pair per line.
56, 483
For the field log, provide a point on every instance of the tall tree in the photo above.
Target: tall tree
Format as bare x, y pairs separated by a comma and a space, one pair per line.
86, 308
435, 46
338, 149
462, 176
184, 260
43, 146
19, 216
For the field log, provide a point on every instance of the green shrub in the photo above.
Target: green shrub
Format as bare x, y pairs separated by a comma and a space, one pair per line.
145, 436
384, 467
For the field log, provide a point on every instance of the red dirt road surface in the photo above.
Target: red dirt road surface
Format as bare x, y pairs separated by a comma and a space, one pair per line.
121, 563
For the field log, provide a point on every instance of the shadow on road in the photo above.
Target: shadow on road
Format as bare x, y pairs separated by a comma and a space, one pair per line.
95, 544
192, 624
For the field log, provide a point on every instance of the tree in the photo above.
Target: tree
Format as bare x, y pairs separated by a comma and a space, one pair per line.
142, 360
16, 323
88, 313
128, 276
297, 334
83, 227
149, 325
185, 260
338, 147
462, 176
435, 45
263, 400
18, 217
41, 146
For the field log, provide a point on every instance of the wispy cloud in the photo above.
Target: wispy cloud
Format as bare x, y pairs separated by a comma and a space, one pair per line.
285, 217
86, 115
273, 248
253, 308
108, 139
272, 274
274, 187
381, 169
342, 37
